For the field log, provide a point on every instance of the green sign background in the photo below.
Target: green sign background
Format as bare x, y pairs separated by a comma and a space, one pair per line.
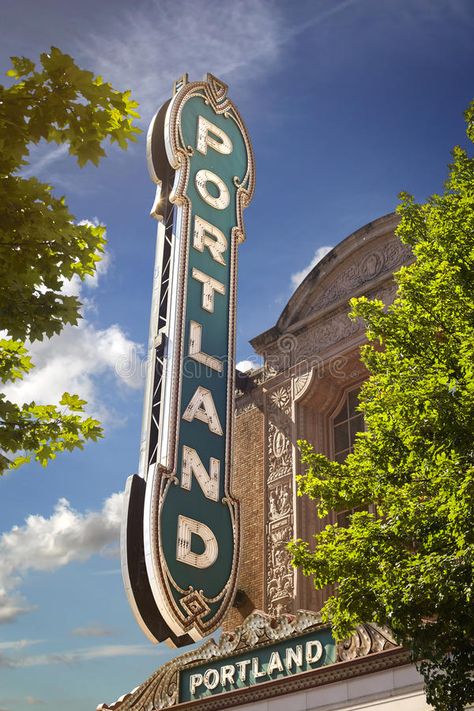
263, 655
215, 330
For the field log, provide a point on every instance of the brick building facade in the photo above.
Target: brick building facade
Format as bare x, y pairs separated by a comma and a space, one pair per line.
306, 389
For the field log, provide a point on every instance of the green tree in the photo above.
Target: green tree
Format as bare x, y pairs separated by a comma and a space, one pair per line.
41, 242
410, 565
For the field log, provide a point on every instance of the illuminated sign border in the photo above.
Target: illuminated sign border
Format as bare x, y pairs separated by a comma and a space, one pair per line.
159, 469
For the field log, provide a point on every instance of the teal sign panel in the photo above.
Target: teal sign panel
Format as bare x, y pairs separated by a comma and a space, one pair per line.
257, 666
184, 491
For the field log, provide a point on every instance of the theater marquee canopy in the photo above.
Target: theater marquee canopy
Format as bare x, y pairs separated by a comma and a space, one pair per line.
264, 658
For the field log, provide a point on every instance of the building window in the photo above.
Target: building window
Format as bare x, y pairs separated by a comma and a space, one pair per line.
346, 424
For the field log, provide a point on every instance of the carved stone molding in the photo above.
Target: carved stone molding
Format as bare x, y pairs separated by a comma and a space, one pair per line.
371, 266
301, 383
385, 293
320, 337
280, 501
160, 691
279, 452
367, 639
280, 587
249, 401
266, 373
310, 344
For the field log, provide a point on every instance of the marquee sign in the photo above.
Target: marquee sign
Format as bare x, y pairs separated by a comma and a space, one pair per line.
180, 538
256, 666
263, 658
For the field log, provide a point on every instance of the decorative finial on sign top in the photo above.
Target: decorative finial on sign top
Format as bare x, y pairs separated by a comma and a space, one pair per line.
179, 83
217, 88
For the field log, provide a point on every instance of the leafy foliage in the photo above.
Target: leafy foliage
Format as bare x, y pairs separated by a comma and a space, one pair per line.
41, 242
410, 565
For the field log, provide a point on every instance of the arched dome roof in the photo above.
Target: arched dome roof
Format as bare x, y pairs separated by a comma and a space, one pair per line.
361, 261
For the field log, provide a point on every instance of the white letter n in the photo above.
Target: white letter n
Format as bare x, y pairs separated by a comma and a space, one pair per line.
192, 464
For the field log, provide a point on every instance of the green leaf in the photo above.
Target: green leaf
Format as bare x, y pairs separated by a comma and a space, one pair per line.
41, 242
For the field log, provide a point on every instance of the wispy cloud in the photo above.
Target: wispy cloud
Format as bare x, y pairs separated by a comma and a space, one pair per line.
77, 656
18, 644
319, 16
146, 48
42, 157
93, 630
298, 277
47, 544
108, 571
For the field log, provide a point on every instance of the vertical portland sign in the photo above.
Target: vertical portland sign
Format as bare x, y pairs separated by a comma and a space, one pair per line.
180, 533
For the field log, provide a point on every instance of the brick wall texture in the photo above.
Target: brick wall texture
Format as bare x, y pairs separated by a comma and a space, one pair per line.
248, 488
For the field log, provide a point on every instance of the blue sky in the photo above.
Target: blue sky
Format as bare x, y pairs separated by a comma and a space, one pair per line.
347, 103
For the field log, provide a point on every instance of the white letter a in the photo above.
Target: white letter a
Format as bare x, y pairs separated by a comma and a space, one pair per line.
201, 406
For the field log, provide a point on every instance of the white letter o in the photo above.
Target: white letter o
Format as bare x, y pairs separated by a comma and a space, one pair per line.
206, 176
209, 682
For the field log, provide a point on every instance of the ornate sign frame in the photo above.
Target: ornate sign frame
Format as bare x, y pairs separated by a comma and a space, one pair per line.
190, 537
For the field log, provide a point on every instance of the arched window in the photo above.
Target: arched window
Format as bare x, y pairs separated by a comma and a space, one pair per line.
346, 423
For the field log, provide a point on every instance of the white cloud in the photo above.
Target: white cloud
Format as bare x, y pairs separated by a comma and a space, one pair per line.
46, 544
298, 277
245, 365
74, 361
151, 45
80, 357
